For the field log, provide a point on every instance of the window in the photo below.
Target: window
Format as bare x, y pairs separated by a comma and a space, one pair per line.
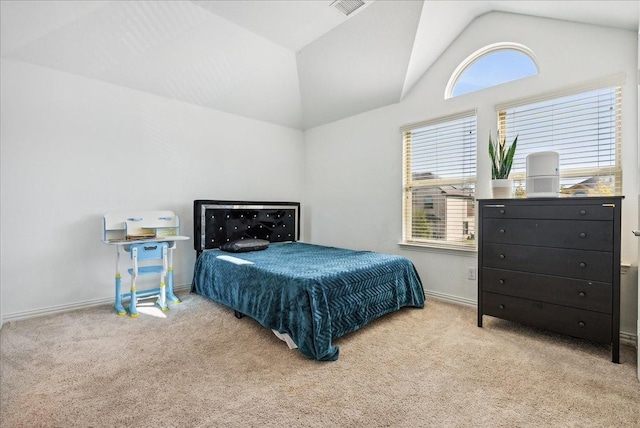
490, 66
439, 182
428, 202
583, 127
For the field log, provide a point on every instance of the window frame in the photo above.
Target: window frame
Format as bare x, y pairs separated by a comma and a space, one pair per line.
409, 185
616, 83
482, 52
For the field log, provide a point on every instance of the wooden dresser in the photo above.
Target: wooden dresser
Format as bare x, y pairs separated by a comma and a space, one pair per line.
552, 263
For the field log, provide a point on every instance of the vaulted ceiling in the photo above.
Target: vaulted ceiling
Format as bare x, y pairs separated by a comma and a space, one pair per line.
298, 64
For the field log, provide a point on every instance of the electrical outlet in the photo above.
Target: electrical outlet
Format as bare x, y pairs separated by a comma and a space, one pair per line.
471, 273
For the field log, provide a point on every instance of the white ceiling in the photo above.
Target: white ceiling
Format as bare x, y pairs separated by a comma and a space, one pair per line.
298, 64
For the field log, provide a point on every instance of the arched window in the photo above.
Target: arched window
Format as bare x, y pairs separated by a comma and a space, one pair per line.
491, 66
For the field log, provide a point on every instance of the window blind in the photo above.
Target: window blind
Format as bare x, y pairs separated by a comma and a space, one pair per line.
439, 168
584, 128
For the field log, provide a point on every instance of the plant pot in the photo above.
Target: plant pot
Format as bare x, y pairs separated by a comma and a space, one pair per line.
502, 188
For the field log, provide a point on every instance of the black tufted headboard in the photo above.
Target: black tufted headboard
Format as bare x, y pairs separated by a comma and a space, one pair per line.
217, 222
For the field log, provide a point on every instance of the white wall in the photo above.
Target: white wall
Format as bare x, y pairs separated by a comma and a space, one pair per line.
354, 169
74, 148
638, 176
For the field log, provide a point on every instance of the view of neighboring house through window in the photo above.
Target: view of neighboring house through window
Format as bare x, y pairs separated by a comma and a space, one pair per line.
439, 181
584, 128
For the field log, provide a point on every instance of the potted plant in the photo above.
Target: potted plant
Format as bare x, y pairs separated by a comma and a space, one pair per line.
501, 161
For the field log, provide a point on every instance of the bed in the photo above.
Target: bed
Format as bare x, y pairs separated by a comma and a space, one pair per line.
307, 294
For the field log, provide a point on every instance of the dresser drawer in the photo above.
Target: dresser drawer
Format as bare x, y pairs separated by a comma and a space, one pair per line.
577, 293
584, 235
561, 319
556, 212
581, 264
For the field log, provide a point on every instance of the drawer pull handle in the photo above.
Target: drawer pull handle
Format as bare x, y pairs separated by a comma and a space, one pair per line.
581, 293
502, 256
581, 324
583, 212
501, 281
501, 211
583, 235
501, 230
501, 306
583, 264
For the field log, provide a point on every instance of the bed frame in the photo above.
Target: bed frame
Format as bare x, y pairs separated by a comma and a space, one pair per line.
308, 293
216, 222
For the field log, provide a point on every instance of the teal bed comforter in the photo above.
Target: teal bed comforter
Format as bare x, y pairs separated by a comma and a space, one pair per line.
313, 293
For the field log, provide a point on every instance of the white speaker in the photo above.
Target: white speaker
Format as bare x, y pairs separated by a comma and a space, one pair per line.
543, 179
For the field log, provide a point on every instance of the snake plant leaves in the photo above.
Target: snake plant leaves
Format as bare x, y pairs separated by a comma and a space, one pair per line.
501, 156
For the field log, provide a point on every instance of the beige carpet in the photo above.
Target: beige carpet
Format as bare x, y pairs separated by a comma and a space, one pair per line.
201, 367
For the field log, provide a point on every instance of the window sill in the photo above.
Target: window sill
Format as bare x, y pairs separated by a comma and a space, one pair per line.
437, 247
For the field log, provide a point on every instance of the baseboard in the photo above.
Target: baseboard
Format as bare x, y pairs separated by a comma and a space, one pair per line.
69, 307
628, 339
451, 298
